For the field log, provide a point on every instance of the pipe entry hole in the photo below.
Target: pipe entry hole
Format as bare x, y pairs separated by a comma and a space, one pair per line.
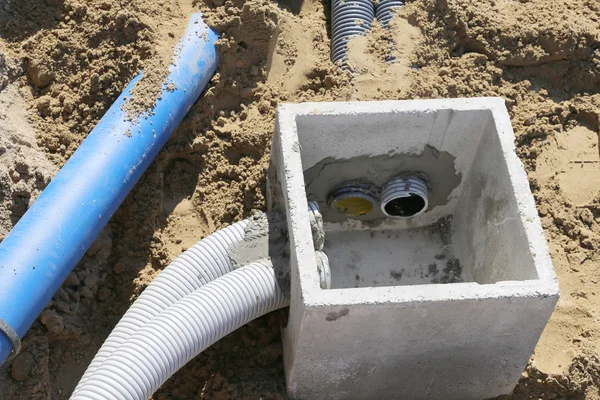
405, 206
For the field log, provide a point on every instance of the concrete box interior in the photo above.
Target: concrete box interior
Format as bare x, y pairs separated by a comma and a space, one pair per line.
479, 241
470, 233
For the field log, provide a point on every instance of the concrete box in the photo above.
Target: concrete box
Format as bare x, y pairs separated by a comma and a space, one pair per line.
446, 305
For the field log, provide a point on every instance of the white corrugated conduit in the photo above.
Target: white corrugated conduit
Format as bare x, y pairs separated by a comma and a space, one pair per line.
204, 262
193, 303
165, 344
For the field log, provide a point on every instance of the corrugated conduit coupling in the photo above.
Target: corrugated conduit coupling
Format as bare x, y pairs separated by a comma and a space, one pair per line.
404, 197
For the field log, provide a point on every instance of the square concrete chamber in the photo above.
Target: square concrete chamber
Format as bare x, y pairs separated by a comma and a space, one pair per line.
448, 304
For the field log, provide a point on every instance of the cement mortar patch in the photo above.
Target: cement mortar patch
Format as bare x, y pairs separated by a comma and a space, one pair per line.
437, 166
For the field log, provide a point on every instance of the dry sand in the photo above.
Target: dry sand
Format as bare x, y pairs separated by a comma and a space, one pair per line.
63, 62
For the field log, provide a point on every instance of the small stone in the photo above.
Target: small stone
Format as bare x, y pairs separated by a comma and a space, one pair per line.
105, 251
119, 268
91, 280
86, 293
43, 103
90, 265
586, 216
72, 280
21, 189
254, 71
39, 73
52, 146
104, 293
15, 176
83, 273
21, 367
22, 166
94, 248
20, 205
587, 243
102, 246
62, 295
76, 296
52, 321
62, 306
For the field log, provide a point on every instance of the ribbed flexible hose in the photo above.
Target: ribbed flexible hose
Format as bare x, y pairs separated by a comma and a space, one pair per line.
166, 343
204, 262
349, 18
386, 9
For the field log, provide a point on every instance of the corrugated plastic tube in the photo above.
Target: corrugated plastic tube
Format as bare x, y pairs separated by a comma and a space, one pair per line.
204, 262
386, 10
161, 347
349, 18
52, 236
404, 197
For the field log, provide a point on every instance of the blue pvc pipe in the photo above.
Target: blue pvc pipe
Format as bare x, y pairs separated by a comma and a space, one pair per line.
44, 247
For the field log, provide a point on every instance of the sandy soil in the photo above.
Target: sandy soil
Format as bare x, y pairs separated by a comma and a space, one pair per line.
63, 62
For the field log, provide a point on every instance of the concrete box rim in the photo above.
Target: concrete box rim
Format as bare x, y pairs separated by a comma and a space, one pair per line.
301, 249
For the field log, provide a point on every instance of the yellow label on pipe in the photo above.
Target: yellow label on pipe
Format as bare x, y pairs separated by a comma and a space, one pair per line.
353, 206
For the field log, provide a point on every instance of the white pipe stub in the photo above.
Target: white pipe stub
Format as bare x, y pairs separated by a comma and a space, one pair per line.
324, 269
404, 197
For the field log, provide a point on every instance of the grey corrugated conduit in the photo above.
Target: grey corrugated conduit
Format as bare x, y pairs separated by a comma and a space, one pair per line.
405, 196
156, 351
386, 10
204, 262
349, 18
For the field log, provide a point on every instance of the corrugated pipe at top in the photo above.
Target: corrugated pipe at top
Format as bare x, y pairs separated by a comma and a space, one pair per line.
350, 18
49, 240
386, 10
